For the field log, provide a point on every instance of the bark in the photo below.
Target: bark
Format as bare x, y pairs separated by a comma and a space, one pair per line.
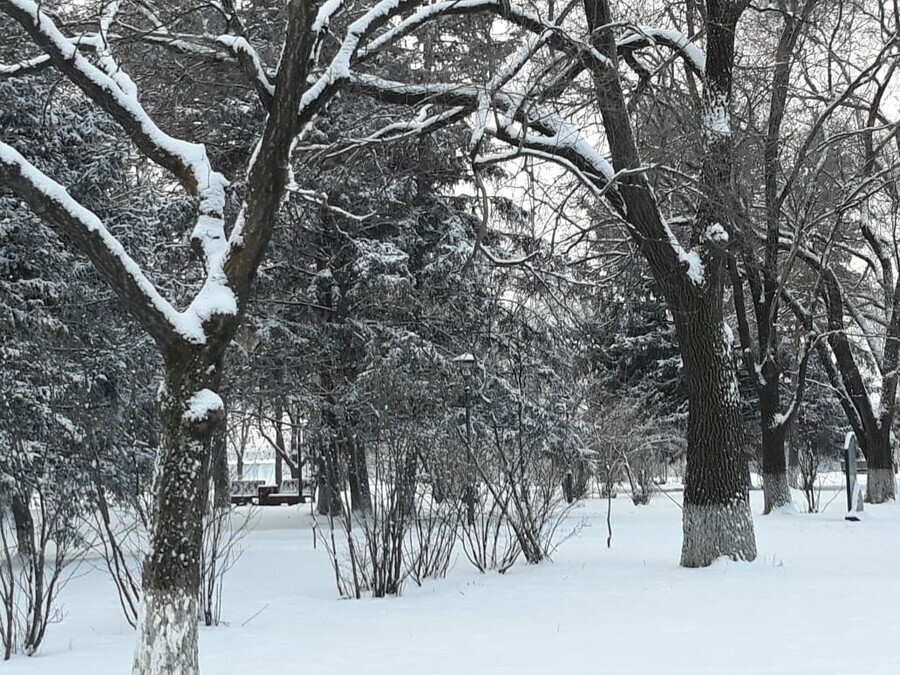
24, 524
717, 517
219, 469
358, 476
881, 486
776, 491
880, 480
717, 520
328, 493
167, 627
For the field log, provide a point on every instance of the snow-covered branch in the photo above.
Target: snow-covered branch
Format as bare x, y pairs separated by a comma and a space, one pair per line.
25, 67
249, 59
51, 200
515, 14
647, 36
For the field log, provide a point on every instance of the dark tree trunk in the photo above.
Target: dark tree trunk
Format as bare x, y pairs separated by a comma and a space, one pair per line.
776, 490
24, 523
190, 416
328, 493
716, 516
357, 474
280, 448
219, 469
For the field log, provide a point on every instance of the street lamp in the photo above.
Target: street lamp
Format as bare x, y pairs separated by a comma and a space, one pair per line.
466, 363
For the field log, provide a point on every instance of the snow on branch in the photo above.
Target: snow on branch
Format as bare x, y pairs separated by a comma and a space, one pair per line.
249, 59
515, 14
644, 36
51, 200
116, 93
338, 71
26, 67
424, 122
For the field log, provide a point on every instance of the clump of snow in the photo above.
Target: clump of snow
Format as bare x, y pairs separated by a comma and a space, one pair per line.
203, 404
691, 259
716, 233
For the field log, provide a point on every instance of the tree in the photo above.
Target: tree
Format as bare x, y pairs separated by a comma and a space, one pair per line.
717, 520
192, 342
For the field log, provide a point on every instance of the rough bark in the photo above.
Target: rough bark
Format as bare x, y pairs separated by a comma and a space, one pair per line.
717, 517
167, 641
717, 520
881, 484
358, 475
776, 491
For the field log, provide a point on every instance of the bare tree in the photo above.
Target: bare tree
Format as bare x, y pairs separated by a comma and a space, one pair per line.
717, 519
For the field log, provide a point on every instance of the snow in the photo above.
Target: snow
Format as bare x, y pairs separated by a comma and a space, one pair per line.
676, 39
186, 324
339, 68
691, 259
716, 233
239, 45
820, 598
202, 404
326, 11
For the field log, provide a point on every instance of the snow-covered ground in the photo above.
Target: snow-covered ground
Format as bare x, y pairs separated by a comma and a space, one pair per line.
823, 597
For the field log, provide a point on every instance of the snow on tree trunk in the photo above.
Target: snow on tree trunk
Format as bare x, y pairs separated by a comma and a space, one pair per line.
190, 413
167, 628
716, 518
881, 486
776, 491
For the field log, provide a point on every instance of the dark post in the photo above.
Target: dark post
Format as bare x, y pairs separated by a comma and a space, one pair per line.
850, 445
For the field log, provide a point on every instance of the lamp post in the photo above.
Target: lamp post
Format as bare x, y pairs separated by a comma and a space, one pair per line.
466, 363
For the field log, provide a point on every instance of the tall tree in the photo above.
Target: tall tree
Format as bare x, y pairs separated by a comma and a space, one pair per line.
192, 342
717, 519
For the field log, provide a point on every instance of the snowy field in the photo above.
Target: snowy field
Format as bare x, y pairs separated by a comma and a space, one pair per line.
823, 597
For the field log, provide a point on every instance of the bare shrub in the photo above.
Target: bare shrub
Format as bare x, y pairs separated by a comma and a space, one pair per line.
39, 545
631, 443
223, 529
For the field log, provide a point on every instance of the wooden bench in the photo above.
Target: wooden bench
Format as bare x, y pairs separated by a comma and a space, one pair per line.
291, 491
861, 466
245, 491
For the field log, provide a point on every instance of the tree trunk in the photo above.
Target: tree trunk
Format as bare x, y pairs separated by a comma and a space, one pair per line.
776, 490
24, 523
219, 469
717, 520
279, 445
190, 413
881, 484
357, 474
328, 493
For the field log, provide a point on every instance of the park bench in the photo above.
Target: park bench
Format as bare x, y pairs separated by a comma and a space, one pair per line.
291, 491
860, 466
245, 491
